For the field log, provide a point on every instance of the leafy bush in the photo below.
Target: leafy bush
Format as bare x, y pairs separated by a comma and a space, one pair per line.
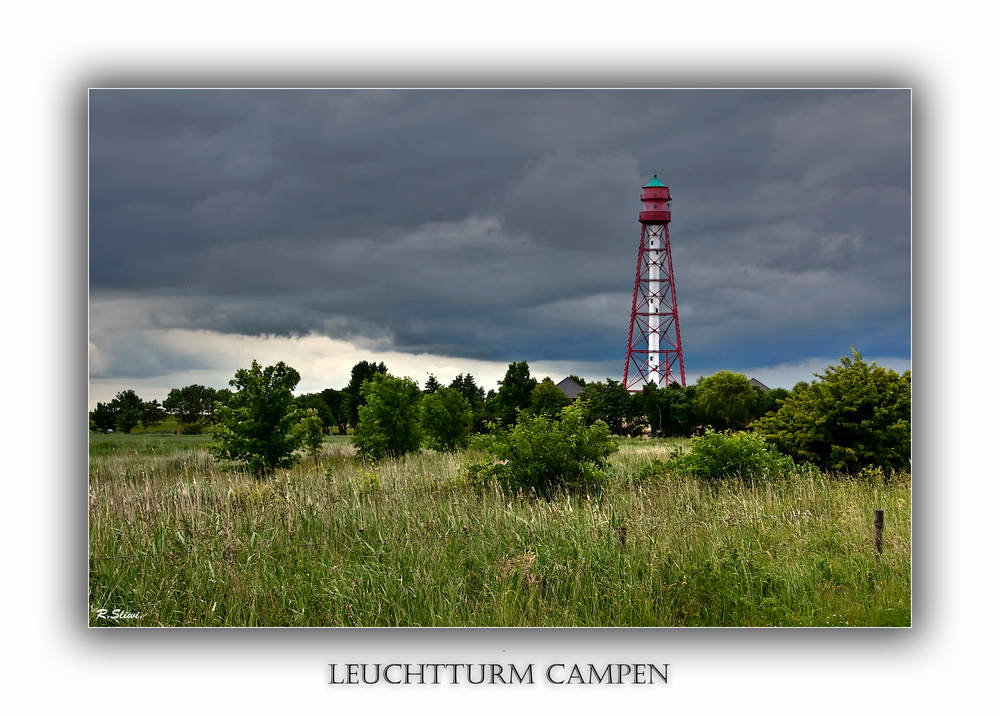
252, 498
654, 471
310, 429
715, 455
541, 454
367, 482
856, 415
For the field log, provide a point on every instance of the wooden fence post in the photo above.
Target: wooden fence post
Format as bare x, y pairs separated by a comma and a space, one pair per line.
879, 521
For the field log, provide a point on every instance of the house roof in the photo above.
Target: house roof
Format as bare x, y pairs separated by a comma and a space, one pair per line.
570, 387
757, 384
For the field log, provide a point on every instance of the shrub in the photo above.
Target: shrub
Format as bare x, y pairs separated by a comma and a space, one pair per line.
541, 454
310, 430
367, 482
652, 472
856, 415
716, 455
252, 498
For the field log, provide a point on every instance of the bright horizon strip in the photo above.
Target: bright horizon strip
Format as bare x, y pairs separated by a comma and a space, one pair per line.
325, 362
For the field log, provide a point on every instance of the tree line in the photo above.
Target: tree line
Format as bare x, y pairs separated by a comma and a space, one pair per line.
855, 414
193, 406
727, 401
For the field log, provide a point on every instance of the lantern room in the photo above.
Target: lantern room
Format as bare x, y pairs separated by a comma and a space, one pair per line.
655, 202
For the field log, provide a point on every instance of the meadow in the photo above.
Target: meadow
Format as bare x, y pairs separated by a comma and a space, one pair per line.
177, 541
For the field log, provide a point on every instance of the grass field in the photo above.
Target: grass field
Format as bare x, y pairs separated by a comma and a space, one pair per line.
175, 541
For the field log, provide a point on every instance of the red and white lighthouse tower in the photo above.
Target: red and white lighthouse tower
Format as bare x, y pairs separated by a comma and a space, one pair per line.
654, 336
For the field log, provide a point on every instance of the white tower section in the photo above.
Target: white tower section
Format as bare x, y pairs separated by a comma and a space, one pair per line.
652, 262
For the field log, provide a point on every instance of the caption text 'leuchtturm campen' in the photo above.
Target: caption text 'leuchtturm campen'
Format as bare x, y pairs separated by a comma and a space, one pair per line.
506, 674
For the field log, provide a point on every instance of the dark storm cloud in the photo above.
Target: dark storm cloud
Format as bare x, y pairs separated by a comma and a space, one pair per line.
503, 224
134, 354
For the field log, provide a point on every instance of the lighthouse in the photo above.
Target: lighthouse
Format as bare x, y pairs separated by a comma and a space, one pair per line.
654, 352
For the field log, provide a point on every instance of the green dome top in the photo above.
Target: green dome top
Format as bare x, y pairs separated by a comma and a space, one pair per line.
655, 182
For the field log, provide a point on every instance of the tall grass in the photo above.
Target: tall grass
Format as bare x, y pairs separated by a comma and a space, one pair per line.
407, 543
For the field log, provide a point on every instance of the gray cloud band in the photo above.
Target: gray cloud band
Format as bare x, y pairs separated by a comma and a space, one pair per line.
500, 225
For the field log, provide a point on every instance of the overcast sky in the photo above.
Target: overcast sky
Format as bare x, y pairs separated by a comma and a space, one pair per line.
457, 231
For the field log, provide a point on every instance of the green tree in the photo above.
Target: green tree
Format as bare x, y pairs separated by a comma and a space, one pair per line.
548, 399
769, 401
670, 411
220, 397
543, 455
128, 409
257, 427
466, 385
491, 411
353, 399
727, 399
515, 392
654, 406
610, 403
151, 413
103, 417
432, 385
334, 400
856, 415
316, 403
310, 429
481, 411
446, 417
389, 420
191, 403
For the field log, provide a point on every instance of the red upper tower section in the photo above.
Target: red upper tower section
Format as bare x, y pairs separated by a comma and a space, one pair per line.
655, 203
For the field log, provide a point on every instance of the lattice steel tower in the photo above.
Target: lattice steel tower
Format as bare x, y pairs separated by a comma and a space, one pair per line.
654, 335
